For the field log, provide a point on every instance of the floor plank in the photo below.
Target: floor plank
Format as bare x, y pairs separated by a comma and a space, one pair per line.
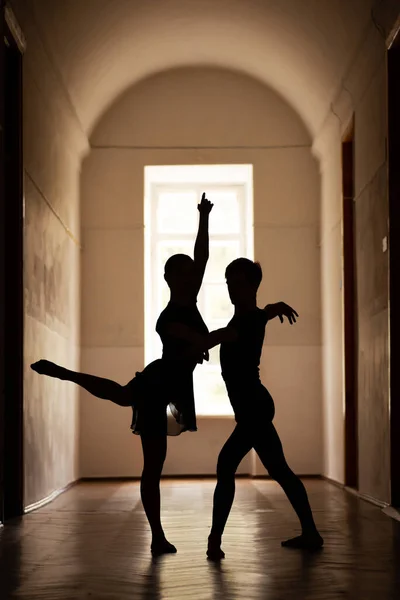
93, 542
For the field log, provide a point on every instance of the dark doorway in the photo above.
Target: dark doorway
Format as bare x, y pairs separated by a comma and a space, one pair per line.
12, 277
394, 260
2, 276
350, 311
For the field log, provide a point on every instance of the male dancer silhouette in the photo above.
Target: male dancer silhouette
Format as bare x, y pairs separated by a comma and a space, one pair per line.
254, 408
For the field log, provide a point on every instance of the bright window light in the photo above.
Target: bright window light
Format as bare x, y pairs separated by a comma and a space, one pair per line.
171, 220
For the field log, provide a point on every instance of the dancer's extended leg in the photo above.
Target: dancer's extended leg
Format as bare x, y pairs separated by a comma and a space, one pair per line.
154, 453
230, 457
269, 448
105, 389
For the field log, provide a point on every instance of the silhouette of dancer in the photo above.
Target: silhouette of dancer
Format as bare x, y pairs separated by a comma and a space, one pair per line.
254, 409
166, 381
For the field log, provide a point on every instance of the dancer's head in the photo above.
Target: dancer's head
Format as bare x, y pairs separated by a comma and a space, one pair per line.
179, 273
243, 278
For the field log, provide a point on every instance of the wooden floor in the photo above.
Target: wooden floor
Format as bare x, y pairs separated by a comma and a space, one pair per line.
93, 542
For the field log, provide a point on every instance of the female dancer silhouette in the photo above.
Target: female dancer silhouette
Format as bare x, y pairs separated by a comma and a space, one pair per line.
167, 381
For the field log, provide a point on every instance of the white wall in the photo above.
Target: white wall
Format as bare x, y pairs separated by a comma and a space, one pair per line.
199, 116
363, 93
52, 145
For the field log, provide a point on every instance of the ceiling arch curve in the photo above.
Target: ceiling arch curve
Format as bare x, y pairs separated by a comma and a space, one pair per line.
299, 49
200, 107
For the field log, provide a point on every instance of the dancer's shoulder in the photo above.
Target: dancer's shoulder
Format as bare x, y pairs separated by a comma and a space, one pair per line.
262, 315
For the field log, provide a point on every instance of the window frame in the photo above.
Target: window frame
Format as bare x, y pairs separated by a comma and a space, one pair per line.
156, 239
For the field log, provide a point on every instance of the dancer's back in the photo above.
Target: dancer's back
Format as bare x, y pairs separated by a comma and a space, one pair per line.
175, 348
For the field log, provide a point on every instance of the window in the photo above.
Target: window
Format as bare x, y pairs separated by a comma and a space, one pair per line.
171, 221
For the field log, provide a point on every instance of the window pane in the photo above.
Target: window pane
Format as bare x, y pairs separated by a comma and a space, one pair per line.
210, 392
173, 229
217, 303
225, 215
167, 249
214, 357
164, 251
221, 254
165, 294
177, 212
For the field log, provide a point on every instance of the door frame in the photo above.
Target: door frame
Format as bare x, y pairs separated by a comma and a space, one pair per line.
12, 285
393, 141
2, 265
350, 311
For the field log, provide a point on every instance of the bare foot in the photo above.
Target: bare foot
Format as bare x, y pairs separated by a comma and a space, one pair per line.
214, 551
46, 367
162, 546
305, 541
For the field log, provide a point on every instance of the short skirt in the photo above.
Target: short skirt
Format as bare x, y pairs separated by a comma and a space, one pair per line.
163, 399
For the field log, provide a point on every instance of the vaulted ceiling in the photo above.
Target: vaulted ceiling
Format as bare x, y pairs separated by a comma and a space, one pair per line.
300, 48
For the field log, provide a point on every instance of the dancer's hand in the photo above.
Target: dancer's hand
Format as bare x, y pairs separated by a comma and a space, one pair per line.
288, 312
202, 358
46, 367
195, 352
281, 309
199, 354
205, 205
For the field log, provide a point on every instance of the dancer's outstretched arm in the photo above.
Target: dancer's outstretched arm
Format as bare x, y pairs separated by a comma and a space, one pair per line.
201, 247
97, 386
229, 334
200, 341
280, 309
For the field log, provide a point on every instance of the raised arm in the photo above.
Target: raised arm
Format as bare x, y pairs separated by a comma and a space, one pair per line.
201, 249
280, 309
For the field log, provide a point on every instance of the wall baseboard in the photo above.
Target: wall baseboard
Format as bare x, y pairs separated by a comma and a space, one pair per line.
304, 476
49, 498
127, 478
386, 508
371, 499
358, 494
332, 481
110, 478
200, 476
392, 512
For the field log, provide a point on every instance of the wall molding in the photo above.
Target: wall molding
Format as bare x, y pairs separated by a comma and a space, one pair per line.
49, 498
386, 17
357, 77
386, 508
393, 33
383, 25
244, 147
370, 499
52, 209
15, 28
392, 512
38, 49
266, 476
187, 477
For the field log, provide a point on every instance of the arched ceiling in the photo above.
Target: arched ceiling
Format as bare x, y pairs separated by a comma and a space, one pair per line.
300, 48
